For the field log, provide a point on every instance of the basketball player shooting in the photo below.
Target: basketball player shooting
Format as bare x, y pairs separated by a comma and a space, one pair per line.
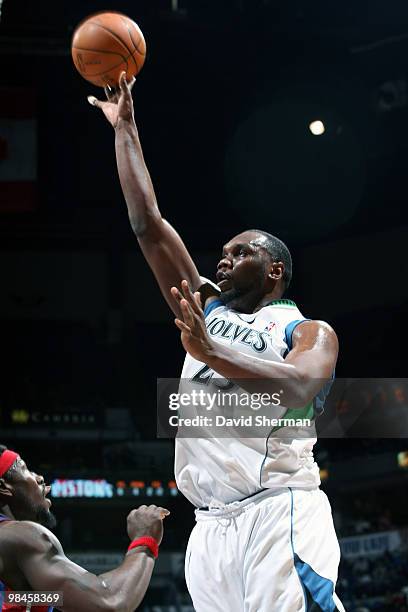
32, 558
264, 538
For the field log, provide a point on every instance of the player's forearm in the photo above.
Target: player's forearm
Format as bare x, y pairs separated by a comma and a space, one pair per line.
120, 590
127, 584
257, 375
134, 178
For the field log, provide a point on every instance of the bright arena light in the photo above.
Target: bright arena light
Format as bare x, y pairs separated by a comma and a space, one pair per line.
317, 128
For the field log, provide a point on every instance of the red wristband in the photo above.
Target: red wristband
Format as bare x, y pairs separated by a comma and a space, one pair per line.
148, 541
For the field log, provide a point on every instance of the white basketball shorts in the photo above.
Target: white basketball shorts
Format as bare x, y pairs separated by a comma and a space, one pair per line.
274, 552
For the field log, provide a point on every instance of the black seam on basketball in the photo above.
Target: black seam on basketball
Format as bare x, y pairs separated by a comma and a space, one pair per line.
114, 35
136, 50
135, 45
131, 38
112, 67
134, 61
100, 51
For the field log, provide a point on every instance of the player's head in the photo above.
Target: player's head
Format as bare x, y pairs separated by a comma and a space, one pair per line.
254, 264
23, 492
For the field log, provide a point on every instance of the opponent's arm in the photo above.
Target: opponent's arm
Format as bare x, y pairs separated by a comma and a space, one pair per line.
162, 247
43, 563
301, 375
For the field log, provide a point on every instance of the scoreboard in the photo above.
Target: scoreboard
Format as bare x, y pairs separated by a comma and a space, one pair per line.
101, 488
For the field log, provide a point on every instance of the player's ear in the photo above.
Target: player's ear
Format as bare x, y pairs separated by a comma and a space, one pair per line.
5, 489
276, 270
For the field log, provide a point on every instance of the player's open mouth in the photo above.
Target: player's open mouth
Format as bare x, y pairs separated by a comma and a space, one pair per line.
46, 491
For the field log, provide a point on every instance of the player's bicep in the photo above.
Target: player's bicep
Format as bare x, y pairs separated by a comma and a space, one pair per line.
45, 567
315, 350
81, 590
167, 256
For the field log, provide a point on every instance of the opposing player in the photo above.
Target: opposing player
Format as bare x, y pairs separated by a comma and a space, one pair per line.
264, 538
32, 558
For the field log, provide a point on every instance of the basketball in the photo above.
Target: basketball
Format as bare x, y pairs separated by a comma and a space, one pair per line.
106, 44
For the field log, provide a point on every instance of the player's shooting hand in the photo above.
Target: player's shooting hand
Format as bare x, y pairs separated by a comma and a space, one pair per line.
146, 521
119, 102
194, 335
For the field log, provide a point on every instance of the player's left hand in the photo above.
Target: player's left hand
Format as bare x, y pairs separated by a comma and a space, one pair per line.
194, 335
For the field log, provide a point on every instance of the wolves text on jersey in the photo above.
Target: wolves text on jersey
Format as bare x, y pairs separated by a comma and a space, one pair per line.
238, 333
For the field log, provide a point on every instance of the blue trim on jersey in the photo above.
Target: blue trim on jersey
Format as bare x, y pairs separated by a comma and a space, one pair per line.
320, 589
212, 306
289, 329
320, 398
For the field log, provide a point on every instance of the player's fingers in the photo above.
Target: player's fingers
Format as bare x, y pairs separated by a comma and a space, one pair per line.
182, 326
188, 295
132, 82
158, 509
95, 102
188, 313
185, 287
123, 83
176, 294
163, 512
111, 93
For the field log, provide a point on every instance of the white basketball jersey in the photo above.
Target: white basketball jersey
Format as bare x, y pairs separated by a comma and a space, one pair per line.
211, 471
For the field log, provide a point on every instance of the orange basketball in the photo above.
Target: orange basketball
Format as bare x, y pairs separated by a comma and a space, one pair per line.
106, 44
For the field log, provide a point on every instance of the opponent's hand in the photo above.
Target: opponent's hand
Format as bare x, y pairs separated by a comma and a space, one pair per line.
194, 335
119, 103
146, 521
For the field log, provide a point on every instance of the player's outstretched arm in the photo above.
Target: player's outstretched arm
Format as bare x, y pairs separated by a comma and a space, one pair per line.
162, 247
45, 566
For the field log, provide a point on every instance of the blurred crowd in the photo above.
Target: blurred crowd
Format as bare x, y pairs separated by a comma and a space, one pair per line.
365, 514
379, 584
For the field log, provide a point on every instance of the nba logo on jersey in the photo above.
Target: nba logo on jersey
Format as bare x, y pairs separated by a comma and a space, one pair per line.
270, 326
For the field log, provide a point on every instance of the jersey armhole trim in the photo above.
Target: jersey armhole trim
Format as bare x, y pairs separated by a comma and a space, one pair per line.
289, 329
212, 306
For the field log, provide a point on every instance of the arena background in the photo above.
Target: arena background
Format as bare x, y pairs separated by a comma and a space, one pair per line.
223, 106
